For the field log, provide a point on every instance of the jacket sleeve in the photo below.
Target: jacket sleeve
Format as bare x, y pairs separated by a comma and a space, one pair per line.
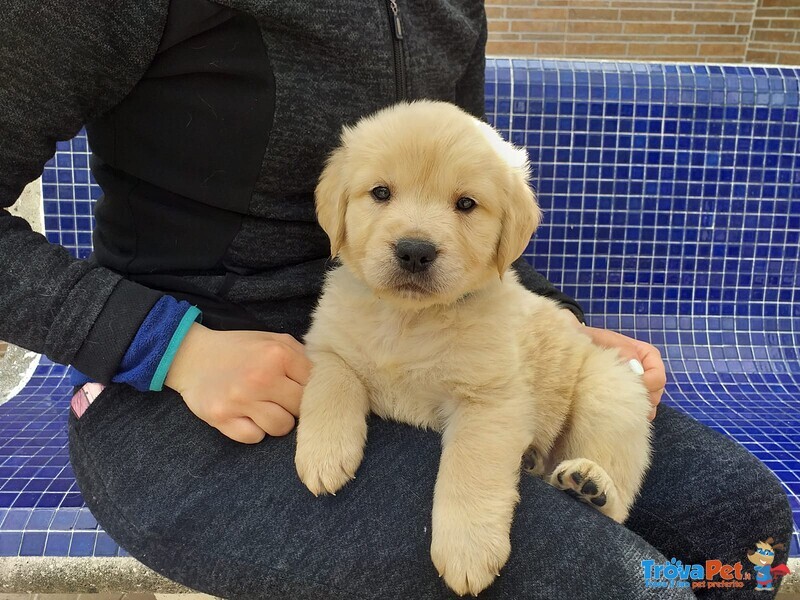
538, 284
62, 64
471, 88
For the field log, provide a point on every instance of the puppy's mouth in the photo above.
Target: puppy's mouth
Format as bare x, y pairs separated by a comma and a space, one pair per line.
410, 285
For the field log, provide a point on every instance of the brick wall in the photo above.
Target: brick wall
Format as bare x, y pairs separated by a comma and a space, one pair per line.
775, 35
688, 30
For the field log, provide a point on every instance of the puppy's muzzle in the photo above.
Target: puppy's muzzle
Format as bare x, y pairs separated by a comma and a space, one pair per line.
415, 255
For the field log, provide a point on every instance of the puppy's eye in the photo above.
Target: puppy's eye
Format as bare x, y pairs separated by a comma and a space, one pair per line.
466, 204
381, 193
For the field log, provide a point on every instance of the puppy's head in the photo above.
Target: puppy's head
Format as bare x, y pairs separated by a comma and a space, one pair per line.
425, 203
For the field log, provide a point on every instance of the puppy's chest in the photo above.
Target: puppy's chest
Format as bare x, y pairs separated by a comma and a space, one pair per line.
411, 369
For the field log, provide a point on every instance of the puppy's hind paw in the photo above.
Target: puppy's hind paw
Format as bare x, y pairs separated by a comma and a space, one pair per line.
533, 462
589, 483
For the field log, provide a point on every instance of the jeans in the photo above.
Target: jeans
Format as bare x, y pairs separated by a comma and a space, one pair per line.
234, 520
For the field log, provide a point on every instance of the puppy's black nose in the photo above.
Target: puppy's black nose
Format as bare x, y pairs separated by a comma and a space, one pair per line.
415, 255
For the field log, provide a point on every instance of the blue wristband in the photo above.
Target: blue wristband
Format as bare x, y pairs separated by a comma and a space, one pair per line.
157, 383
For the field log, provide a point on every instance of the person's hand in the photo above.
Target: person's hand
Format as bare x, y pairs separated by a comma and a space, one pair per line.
654, 377
246, 384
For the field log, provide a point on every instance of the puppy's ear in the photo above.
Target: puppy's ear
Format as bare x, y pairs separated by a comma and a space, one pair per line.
331, 198
521, 215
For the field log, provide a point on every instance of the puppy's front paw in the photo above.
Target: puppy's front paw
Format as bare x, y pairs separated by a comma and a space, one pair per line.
588, 482
469, 558
328, 454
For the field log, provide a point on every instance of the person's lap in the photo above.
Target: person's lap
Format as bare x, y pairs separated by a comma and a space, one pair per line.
235, 521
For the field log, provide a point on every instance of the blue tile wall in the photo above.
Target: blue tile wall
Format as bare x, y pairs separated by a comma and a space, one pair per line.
672, 203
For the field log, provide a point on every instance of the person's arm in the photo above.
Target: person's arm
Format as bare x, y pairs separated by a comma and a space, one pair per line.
64, 64
61, 65
471, 88
538, 284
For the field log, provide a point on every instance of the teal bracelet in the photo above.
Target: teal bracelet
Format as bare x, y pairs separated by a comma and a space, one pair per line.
157, 383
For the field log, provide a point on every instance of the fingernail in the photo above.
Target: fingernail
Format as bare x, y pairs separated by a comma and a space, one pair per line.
636, 366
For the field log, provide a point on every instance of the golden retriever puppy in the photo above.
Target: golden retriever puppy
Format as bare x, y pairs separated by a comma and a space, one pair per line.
424, 324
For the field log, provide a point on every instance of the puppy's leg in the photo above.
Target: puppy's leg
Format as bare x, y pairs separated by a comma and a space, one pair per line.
604, 452
333, 429
476, 492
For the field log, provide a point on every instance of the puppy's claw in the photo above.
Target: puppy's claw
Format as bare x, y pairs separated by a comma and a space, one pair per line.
468, 562
325, 472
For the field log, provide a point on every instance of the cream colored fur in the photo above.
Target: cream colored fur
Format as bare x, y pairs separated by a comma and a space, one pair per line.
463, 349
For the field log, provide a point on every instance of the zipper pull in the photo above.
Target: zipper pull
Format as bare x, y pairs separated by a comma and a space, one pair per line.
398, 29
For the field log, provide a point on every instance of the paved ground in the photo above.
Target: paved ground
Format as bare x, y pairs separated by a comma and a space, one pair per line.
170, 597
116, 596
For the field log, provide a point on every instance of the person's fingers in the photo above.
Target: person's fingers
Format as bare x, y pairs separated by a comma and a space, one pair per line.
243, 430
272, 418
644, 359
297, 366
655, 397
652, 361
655, 375
611, 339
287, 394
652, 414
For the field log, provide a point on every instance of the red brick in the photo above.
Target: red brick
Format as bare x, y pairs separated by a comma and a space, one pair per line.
597, 49
658, 28
550, 48
762, 56
650, 16
548, 14
594, 27
495, 12
773, 35
703, 16
789, 58
737, 50
507, 48
593, 14
662, 49
714, 29
538, 26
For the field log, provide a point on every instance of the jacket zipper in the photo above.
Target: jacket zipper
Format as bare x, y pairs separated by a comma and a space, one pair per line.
397, 48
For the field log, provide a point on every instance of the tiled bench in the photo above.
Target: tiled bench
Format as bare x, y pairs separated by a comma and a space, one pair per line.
672, 201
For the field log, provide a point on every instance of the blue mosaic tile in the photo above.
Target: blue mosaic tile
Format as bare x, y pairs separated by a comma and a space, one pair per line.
672, 213
33, 543
10, 542
57, 543
82, 543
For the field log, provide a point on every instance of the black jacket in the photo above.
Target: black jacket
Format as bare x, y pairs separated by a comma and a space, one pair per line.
209, 124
